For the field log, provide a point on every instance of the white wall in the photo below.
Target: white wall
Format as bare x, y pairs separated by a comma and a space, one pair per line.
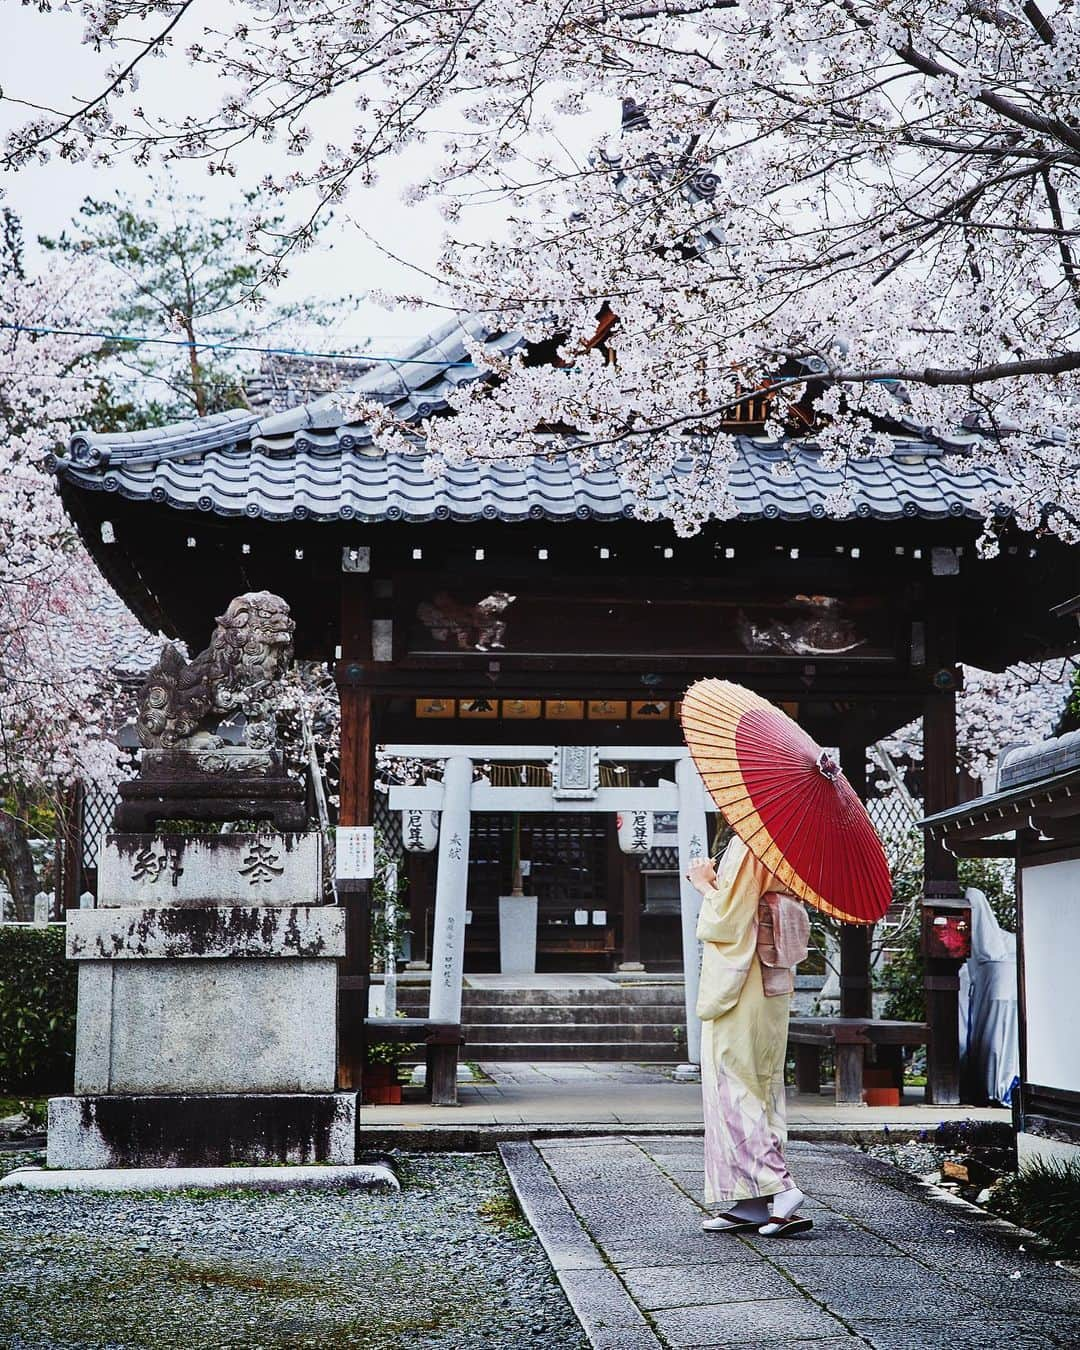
1051, 908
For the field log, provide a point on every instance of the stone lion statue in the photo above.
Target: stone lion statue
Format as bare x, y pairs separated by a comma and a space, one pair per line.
183, 702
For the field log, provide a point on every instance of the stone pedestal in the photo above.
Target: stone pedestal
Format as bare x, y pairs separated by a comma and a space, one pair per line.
206, 1031
212, 784
517, 934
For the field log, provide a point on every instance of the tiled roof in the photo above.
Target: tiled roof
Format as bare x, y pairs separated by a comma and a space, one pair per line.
285, 381
108, 637
312, 462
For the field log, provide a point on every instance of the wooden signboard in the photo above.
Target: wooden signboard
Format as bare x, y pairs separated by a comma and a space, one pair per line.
648, 710
435, 707
606, 709
564, 709
521, 708
478, 707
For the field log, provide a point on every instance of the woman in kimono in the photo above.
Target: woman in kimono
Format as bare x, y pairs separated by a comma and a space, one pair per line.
753, 937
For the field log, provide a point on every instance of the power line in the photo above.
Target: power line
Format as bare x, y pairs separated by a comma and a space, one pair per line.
113, 381
228, 346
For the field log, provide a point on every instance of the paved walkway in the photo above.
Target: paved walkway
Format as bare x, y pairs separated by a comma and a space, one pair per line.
553, 1096
889, 1264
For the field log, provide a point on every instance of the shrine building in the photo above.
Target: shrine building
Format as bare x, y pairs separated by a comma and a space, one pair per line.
515, 620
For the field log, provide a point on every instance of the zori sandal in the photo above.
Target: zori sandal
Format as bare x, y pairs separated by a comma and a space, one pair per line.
729, 1223
782, 1228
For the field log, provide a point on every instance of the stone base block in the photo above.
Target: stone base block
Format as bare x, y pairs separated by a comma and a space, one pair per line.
220, 1026
202, 1131
517, 934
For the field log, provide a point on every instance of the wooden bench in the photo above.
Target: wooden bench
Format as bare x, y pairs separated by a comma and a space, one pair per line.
441, 1040
849, 1037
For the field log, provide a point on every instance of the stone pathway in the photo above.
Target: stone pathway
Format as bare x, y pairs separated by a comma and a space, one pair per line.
888, 1265
612, 1096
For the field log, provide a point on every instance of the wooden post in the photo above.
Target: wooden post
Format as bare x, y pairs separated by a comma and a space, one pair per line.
941, 977
856, 990
357, 779
941, 791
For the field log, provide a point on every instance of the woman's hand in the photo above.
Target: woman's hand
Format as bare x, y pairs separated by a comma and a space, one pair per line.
701, 874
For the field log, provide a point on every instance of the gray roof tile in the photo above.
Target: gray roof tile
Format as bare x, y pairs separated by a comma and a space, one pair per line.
312, 462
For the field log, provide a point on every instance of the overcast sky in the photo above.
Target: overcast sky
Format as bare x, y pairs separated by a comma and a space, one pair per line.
43, 60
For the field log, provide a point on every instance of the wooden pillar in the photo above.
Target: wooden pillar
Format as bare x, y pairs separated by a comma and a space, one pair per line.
941, 977
856, 989
357, 780
941, 884
693, 843
940, 785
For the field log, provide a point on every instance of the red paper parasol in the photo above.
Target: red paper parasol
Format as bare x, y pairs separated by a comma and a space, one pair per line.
786, 798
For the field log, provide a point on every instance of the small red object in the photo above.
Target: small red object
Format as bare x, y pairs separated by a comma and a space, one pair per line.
946, 936
788, 800
881, 1096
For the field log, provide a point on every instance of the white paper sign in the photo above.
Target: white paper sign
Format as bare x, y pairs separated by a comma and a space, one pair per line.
355, 852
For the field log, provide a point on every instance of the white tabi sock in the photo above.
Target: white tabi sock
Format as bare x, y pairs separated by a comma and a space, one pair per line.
783, 1206
755, 1210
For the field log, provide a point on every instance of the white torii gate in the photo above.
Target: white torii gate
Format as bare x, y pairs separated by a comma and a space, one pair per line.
458, 795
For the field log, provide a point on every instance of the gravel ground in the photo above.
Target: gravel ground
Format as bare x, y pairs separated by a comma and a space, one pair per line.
446, 1263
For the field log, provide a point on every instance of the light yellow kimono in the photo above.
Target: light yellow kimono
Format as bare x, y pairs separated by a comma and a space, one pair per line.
753, 938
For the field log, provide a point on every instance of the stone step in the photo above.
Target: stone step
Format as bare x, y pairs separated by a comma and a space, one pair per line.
558, 1017
631, 996
581, 1015
536, 1032
640, 1052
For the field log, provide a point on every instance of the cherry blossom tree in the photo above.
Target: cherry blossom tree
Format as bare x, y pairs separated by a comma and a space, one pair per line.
864, 209
995, 711
58, 697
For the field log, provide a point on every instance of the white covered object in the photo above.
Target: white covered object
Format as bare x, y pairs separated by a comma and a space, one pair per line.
989, 1019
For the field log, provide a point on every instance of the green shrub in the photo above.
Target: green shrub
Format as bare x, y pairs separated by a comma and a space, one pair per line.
1044, 1197
37, 1010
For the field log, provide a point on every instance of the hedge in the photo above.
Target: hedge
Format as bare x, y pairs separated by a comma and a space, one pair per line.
37, 1010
